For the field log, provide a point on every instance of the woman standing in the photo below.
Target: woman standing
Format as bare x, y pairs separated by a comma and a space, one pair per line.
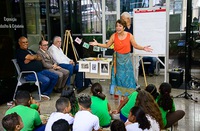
122, 76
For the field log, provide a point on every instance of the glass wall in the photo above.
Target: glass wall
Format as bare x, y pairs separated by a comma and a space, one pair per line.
177, 33
90, 19
91, 11
35, 22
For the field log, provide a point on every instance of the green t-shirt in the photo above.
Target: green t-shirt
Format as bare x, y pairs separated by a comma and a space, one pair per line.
99, 108
30, 117
131, 103
164, 113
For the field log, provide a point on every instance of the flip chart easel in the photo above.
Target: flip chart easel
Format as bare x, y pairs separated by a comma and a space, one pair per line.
150, 28
66, 43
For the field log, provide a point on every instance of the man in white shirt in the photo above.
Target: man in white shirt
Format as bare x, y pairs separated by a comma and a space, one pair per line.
62, 60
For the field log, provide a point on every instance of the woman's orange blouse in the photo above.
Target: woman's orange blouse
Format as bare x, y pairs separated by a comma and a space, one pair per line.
122, 46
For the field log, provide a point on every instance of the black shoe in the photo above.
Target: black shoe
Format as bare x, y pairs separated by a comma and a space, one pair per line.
150, 74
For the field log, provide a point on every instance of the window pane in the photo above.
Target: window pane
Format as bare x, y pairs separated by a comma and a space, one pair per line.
110, 5
110, 25
91, 16
129, 5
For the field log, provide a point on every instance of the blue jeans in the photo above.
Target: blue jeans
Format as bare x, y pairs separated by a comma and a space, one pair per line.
72, 69
152, 66
122, 117
47, 79
40, 128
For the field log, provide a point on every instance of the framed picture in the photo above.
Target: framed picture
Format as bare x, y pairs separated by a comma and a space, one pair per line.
84, 66
96, 48
104, 68
93, 67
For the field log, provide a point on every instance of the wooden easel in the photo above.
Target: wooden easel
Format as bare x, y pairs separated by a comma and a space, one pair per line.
66, 43
137, 68
143, 70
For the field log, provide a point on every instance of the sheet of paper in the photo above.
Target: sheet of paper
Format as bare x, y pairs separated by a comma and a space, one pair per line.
93, 67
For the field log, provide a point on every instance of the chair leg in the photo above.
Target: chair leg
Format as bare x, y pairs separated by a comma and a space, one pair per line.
39, 92
16, 88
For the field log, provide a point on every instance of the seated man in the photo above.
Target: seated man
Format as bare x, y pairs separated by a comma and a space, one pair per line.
151, 67
52, 66
28, 60
30, 117
63, 61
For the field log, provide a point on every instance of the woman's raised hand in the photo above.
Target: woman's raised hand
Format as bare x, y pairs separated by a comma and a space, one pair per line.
94, 43
148, 48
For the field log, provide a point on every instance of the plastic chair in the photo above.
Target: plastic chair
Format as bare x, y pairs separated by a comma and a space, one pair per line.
21, 79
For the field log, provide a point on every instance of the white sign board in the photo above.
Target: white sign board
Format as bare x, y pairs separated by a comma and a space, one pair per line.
149, 27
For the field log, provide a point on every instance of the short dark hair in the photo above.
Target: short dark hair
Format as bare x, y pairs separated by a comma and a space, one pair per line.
10, 121
22, 97
117, 125
122, 22
84, 100
60, 125
62, 103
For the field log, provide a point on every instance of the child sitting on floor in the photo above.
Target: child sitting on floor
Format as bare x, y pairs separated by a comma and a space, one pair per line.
12, 122
60, 125
100, 106
84, 120
117, 125
63, 107
70, 94
137, 120
170, 115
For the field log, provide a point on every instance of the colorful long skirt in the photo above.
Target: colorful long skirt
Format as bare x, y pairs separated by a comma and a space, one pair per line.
122, 75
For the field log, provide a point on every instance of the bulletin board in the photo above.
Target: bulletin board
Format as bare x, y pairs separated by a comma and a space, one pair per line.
149, 27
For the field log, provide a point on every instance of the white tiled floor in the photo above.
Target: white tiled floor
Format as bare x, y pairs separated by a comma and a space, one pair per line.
191, 121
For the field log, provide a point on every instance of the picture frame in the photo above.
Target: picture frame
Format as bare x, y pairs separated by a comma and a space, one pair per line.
104, 68
84, 66
94, 67
96, 49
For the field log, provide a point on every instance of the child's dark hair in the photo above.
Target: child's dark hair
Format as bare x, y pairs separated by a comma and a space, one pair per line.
84, 100
70, 94
140, 117
10, 121
117, 125
60, 125
96, 90
151, 88
22, 97
62, 103
165, 100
